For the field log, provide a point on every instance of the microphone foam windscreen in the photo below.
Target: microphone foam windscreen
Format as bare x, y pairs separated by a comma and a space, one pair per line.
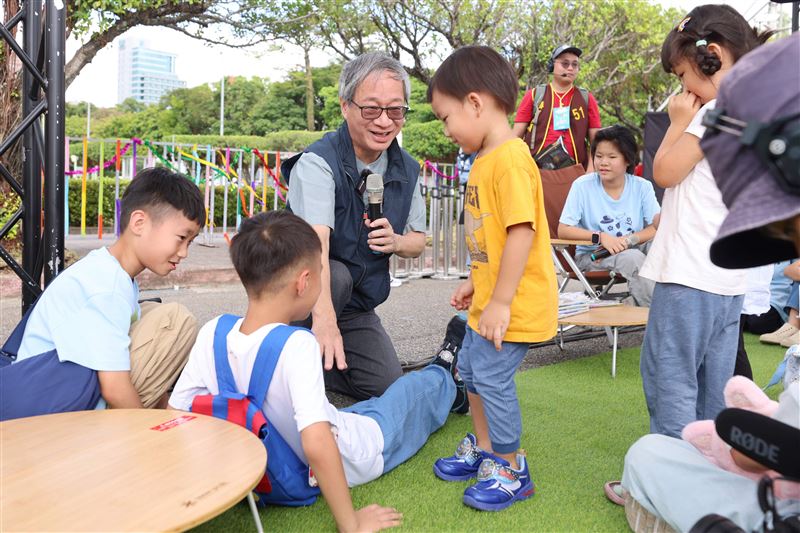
374, 183
770, 442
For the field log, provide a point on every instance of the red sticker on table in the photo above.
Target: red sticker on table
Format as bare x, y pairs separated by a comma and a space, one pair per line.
169, 424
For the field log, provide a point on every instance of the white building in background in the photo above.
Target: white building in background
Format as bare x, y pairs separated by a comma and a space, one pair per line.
145, 74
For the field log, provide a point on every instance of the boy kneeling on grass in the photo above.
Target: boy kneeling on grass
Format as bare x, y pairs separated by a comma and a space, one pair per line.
278, 258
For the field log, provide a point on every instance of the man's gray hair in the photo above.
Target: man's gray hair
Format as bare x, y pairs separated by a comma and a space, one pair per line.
357, 70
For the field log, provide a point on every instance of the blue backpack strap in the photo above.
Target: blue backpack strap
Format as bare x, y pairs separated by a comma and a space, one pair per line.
225, 379
11, 347
267, 359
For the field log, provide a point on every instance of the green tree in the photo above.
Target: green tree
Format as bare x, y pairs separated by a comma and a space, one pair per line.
284, 105
131, 105
620, 39
189, 110
146, 124
331, 112
241, 96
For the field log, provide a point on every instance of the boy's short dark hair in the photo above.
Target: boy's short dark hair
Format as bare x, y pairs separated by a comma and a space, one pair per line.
623, 139
477, 69
156, 189
269, 244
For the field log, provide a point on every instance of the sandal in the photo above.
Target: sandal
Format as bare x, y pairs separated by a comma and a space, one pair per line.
615, 492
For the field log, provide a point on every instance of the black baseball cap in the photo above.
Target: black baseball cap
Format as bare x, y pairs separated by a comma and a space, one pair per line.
566, 48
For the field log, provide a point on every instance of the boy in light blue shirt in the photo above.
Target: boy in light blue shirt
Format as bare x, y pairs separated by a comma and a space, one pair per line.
90, 313
614, 209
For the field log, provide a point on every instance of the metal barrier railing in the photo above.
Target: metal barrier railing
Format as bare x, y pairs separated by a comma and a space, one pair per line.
446, 257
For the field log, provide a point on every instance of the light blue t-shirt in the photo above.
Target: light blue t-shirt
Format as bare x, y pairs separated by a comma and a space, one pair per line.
86, 314
590, 207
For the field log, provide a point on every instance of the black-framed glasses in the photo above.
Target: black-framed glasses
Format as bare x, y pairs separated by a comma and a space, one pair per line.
371, 112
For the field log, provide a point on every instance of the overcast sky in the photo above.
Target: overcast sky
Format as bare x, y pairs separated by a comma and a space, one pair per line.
199, 63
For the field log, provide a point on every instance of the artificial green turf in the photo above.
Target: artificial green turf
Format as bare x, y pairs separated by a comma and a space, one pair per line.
578, 424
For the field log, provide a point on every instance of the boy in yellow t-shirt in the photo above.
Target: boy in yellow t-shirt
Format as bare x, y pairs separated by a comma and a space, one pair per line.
511, 292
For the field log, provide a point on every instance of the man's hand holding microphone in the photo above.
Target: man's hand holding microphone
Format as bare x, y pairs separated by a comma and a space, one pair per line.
381, 239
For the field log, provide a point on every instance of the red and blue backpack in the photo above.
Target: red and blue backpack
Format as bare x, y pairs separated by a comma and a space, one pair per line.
286, 481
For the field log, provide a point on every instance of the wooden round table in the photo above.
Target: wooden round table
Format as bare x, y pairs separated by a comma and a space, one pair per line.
123, 470
614, 316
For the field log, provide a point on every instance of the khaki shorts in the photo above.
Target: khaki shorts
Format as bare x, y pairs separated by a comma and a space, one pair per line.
160, 343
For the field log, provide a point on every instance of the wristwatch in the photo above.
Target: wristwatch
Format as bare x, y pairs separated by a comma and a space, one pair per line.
596, 237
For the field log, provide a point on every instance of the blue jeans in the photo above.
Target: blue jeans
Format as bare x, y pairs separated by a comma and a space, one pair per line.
793, 302
490, 374
688, 355
408, 412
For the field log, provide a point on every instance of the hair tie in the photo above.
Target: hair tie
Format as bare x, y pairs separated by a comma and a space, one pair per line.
682, 24
701, 42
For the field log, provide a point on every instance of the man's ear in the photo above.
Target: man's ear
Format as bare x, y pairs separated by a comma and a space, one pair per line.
138, 221
343, 106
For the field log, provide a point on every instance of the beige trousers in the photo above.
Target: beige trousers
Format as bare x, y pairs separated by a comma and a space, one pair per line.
160, 343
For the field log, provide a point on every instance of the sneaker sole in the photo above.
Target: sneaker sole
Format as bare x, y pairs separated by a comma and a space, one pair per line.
523, 494
449, 477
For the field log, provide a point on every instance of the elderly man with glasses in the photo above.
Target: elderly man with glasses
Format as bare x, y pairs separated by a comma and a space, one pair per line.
327, 188
560, 111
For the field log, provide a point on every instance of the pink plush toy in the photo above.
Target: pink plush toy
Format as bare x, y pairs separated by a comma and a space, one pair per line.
742, 393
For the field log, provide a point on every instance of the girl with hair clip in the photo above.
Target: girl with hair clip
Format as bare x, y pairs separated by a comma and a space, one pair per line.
691, 339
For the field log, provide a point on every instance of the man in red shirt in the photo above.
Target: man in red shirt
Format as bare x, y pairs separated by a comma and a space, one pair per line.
563, 111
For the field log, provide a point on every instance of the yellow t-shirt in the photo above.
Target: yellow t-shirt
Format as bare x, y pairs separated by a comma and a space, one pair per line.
505, 189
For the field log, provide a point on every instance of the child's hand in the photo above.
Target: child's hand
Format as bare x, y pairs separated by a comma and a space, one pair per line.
374, 518
682, 108
494, 322
462, 297
613, 244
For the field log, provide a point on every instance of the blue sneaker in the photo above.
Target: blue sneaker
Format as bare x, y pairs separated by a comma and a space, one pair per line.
499, 485
464, 464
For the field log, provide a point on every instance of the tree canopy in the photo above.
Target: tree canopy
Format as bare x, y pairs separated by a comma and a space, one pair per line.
620, 40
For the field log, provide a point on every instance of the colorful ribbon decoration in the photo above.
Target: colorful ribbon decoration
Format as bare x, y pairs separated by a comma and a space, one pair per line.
233, 180
107, 164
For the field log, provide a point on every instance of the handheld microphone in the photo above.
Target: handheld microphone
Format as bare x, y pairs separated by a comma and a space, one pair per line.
765, 440
374, 197
631, 239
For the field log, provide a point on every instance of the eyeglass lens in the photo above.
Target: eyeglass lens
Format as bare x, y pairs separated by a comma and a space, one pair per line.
373, 112
567, 64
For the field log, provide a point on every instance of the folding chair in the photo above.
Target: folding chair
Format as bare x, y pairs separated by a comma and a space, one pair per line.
555, 187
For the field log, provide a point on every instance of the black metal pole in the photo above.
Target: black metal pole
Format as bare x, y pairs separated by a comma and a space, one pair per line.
31, 173
54, 142
795, 16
